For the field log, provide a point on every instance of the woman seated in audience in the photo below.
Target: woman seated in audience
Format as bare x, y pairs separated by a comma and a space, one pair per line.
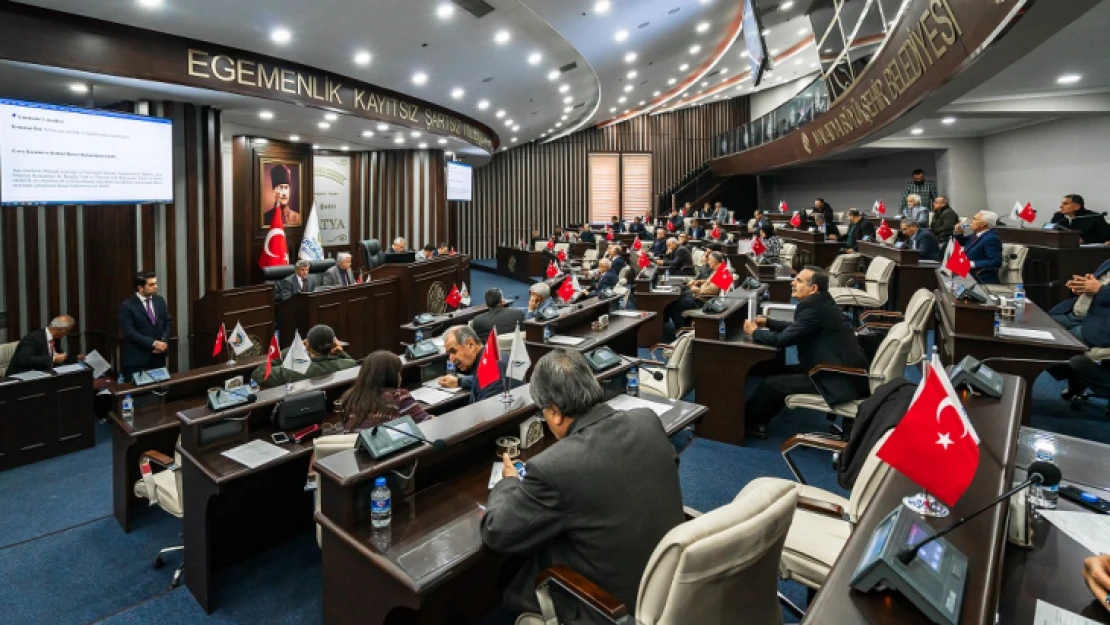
771, 242
377, 395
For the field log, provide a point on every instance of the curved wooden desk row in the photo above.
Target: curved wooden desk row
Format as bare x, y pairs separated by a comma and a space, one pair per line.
45, 417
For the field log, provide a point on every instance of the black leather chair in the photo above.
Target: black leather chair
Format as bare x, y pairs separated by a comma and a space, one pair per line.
320, 266
279, 272
372, 253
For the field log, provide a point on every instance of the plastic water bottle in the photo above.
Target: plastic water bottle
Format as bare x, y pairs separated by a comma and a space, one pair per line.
547, 334
721, 330
997, 324
419, 335
633, 382
254, 387
667, 275
121, 380
1044, 497
1019, 301
128, 407
381, 511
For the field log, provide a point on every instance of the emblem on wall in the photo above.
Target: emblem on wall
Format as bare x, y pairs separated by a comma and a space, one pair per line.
512, 264
436, 296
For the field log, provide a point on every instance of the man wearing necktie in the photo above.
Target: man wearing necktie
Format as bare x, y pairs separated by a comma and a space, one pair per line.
299, 281
340, 274
145, 322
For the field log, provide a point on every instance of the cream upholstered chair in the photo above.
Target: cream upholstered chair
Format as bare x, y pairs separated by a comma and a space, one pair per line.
325, 446
787, 254
7, 352
919, 311
707, 570
505, 341
677, 372
876, 287
1010, 274
540, 246
843, 269
590, 254
823, 521
163, 489
838, 216
697, 256
889, 363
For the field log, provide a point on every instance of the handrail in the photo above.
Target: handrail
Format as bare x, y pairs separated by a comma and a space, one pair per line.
793, 113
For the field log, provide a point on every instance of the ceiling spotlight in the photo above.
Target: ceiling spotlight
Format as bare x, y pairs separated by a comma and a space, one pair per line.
331, 117
622, 100
415, 134
632, 74
601, 7
786, 6
948, 120
419, 78
294, 138
499, 114
558, 124
743, 53
705, 83
802, 31
798, 62
564, 118
1068, 79
630, 57
516, 128
773, 51
568, 109
449, 153
655, 95
513, 139
814, 64
324, 125
483, 105
366, 134
502, 37
705, 1
362, 58
613, 110
553, 75
642, 102
509, 123
671, 81
621, 35
383, 127
568, 99
626, 111
280, 35
543, 134
564, 88
445, 10
442, 141
828, 50
423, 146
150, 4
344, 148
694, 49
628, 87
683, 67
916, 131
399, 139
267, 115
457, 93
766, 31
314, 146
260, 141
535, 58
702, 27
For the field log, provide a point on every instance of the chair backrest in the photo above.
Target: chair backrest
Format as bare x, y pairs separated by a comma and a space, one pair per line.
786, 254
591, 254
751, 225
838, 216
871, 476
918, 313
505, 341
562, 246
722, 564
539, 246
622, 277
680, 367
697, 255
277, 272
842, 267
1013, 263
890, 358
320, 266
7, 351
878, 278
372, 253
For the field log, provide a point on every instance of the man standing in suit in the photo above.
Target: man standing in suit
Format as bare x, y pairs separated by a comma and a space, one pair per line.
943, 221
145, 322
822, 335
983, 246
340, 274
504, 318
465, 350
299, 281
859, 229
41, 350
920, 239
583, 502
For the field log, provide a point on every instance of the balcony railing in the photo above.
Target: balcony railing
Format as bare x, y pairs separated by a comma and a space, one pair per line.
798, 110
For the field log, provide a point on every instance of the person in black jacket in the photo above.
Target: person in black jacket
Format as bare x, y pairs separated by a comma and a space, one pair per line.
678, 259
859, 229
675, 223
1074, 215
659, 245
145, 322
920, 239
824, 208
696, 230
616, 225
637, 226
822, 335
827, 228
587, 235
504, 318
608, 277
41, 350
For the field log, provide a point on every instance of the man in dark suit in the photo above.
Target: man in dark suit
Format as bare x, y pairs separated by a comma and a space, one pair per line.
1074, 215
466, 351
696, 230
822, 335
983, 246
758, 219
608, 278
720, 214
299, 281
587, 235
920, 239
637, 226
581, 502
145, 322
1087, 316
659, 245
826, 228
678, 258
340, 274
859, 229
820, 206
676, 223
943, 221
616, 225
504, 318
615, 253
41, 350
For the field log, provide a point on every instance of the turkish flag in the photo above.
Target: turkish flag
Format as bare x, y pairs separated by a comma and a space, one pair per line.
566, 291
608, 233
958, 262
561, 256
670, 226
552, 271
935, 444
452, 252
454, 298
796, 220
758, 247
884, 231
220, 338
722, 278
1027, 213
360, 278
550, 244
783, 206
880, 208
275, 251
273, 354
715, 233
488, 371
637, 244
644, 261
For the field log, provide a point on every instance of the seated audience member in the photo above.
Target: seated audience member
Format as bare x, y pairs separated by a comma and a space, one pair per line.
539, 297
826, 228
616, 225
637, 226
720, 214
822, 335
696, 230
581, 503
1087, 317
399, 245
443, 250
1073, 215
615, 253
676, 221
859, 229
324, 350
916, 211
687, 210
504, 318
943, 221
299, 281
771, 242
694, 293
920, 239
41, 350
340, 274
678, 258
659, 245
983, 246
560, 236
758, 219
683, 239
535, 237
377, 395
466, 351
587, 235
607, 276
428, 252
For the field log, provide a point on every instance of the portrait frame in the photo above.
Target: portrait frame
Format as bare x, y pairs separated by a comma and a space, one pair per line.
267, 194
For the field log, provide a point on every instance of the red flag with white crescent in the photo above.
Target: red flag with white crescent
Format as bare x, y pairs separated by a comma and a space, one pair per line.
275, 250
273, 354
220, 338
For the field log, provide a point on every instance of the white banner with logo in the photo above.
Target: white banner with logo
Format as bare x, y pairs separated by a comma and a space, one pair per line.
332, 188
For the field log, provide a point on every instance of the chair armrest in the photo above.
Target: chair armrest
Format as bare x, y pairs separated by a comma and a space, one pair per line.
691, 513
882, 313
877, 324
816, 441
660, 346
657, 363
582, 588
838, 369
817, 506
159, 459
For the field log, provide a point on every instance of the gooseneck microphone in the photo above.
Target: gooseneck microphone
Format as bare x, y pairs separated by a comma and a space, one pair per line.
1040, 474
438, 444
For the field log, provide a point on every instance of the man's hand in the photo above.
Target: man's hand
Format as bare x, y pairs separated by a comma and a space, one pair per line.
508, 470
659, 261
750, 327
832, 237
59, 358
80, 358
761, 321
336, 347
1090, 284
958, 229
849, 250
159, 347
1096, 571
448, 381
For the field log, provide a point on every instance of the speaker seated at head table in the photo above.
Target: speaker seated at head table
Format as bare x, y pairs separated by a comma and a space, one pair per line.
322, 349
300, 281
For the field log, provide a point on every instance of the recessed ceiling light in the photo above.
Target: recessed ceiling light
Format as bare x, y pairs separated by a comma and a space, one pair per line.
564, 118
743, 53
367, 133
564, 88
694, 49
442, 141
628, 88
568, 109
499, 114
331, 117
553, 75
535, 58
294, 138
502, 37
717, 97
621, 35
786, 6
261, 141
483, 105
702, 27
916, 131
558, 124
630, 57
613, 110
445, 10
766, 31
642, 102
626, 111
622, 100
415, 134
683, 67
457, 93
383, 127
280, 35
344, 148
798, 62
265, 115
705, 83
601, 7
324, 125
79, 87
423, 146
828, 50
509, 123
773, 51
513, 139
1068, 79
399, 139
948, 120
315, 147
632, 74
705, 1
516, 128
543, 134
814, 64
150, 4
802, 31
568, 99
655, 95
449, 153
362, 57
419, 78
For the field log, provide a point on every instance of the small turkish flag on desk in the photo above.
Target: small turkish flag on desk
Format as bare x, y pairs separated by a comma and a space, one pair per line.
1027, 214
488, 371
644, 261
561, 256
722, 277
935, 444
796, 220
884, 231
220, 338
670, 226
550, 244
552, 270
454, 298
273, 354
715, 233
637, 244
783, 206
758, 247
958, 262
566, 291
608, 233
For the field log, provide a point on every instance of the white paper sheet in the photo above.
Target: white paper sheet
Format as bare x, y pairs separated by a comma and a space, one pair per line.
1089, 529
29, 375
97, 362
663, 289
74, 368
627, 402
1022, 333
428, 395
438, 341
255, 453
627, 313
560, 339
434, 384
1048, 614
495, 474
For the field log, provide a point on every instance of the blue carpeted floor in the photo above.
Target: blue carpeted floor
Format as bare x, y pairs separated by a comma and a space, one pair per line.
64, 560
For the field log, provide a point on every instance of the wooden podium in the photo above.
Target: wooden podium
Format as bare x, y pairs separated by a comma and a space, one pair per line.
364, 315
1054, 257
252, 306
423, 286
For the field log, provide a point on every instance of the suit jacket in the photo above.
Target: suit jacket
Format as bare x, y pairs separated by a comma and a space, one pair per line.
721, 216
587, 237
857, 232
290, 285
618, 227
33, 353
926, 245
944, 222
658, 247
696, 233
830, 229
1092, 227
985, 251
505, 319
637, 228
562, 513
679, 223
823, 336
1096, 325
619, 264
139, 334
608, 280
332, 277
681, 262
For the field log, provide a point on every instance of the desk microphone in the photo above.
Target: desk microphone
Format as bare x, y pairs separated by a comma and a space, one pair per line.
1040, 473
438, 444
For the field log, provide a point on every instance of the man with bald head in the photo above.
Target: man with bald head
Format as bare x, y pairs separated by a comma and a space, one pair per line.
41, 350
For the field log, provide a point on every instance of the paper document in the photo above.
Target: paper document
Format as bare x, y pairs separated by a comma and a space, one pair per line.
434, 384
255, 453
1021, 333
29, 375
431, 396
1048, 614
495, 474
97, 362
1089, 529
627, 402
635, 314
74, 368
560, 339
663, 289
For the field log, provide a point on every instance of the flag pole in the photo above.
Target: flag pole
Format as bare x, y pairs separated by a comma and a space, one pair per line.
506, 398
230, 351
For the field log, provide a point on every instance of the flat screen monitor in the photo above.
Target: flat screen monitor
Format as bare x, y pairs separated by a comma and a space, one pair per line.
52, 154
753, 38
400, 258
459, 179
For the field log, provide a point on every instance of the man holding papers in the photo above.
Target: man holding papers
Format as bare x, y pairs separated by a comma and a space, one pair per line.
41, 350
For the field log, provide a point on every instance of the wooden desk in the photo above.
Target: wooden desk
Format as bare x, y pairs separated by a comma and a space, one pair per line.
721, 369
982, 540
458, 581
1054, 257
621, 335
708, 325
813, 249
439, 325
252, 306
778, 286
521, 264
968, 329
424, 285
909, 272
45, 418
364, 315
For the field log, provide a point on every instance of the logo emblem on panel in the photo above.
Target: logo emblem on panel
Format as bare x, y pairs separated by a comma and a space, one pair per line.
436, 296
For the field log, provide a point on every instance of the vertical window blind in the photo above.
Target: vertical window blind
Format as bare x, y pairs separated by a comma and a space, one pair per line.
635, 185
605, 191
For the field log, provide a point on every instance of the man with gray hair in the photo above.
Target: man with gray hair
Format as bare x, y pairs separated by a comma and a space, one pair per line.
324, 350
399, 245
916, 211
340, 274
299, 281
678, 258
982, 245
466, 351
41, 350
599, 500
539, 297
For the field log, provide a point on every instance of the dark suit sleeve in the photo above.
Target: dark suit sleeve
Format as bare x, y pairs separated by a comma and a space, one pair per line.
993, 250
31, 354
804, 326
330, 279
1102, 298
522, 515
127, 326
833, 230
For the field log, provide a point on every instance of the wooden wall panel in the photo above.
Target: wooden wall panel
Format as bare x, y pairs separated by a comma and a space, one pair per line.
405, 197
544, 185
